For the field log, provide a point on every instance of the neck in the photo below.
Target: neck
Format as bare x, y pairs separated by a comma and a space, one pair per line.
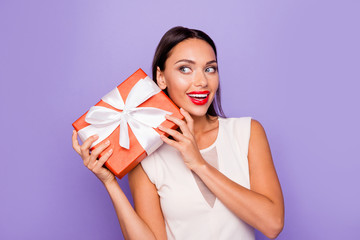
202, 123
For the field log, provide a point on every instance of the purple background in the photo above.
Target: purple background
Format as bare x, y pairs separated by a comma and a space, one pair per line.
292, 65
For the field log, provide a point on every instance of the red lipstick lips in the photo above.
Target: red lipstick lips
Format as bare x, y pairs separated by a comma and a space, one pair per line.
199, 97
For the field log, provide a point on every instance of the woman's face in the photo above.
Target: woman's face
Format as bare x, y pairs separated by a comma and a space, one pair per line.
191, 76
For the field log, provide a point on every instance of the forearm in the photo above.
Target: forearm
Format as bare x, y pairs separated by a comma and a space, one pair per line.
255, 209
132, 226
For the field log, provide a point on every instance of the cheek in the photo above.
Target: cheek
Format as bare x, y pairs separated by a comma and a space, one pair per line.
215, 83
178, 85
177, 92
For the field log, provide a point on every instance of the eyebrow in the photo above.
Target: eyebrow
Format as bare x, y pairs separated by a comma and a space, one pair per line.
193, 62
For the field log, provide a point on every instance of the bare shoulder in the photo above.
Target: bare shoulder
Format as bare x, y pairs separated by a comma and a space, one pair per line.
263, 176
258, 140
256, 128
139, 182
137, 174
259, 149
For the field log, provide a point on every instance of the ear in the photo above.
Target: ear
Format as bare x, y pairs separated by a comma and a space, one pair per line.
160, 79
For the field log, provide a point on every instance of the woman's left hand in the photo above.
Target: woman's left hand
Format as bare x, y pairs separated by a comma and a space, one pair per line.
184, 141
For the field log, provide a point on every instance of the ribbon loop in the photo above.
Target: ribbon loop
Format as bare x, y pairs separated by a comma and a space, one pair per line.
103, 121
102, 116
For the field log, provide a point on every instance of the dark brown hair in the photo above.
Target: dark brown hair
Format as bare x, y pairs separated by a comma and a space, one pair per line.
170, 39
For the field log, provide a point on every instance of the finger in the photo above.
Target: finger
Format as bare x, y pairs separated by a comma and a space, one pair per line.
86, 145
96, 152
189, 119
99, 149
75, 142
103, 159
182, 124
170, 142
175, 134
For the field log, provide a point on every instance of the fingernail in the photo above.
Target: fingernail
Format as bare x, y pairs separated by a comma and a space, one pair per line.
96, 136
110, 151
107, 142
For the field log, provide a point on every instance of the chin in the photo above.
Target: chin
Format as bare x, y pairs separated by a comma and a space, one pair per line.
197, 112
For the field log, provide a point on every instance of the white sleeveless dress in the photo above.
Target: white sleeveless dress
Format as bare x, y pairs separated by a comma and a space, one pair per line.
189, 211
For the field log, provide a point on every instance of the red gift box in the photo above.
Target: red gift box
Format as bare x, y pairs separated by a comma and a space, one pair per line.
136, 117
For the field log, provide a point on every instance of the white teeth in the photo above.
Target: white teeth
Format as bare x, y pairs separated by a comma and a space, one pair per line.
198, 95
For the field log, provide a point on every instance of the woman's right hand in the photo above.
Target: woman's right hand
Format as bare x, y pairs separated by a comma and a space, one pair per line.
91, 160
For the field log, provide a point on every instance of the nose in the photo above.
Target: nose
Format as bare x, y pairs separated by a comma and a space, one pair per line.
200, 79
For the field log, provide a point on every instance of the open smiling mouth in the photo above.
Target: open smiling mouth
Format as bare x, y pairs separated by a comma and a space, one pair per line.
199, 98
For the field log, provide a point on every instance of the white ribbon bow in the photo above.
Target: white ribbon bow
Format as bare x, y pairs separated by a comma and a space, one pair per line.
141, 120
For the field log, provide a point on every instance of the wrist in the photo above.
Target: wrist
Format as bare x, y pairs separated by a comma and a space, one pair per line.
110, 183
200, 167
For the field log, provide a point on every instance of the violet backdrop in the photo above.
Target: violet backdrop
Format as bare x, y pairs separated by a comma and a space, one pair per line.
292, 65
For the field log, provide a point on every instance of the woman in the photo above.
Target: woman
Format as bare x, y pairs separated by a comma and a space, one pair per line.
214, 178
